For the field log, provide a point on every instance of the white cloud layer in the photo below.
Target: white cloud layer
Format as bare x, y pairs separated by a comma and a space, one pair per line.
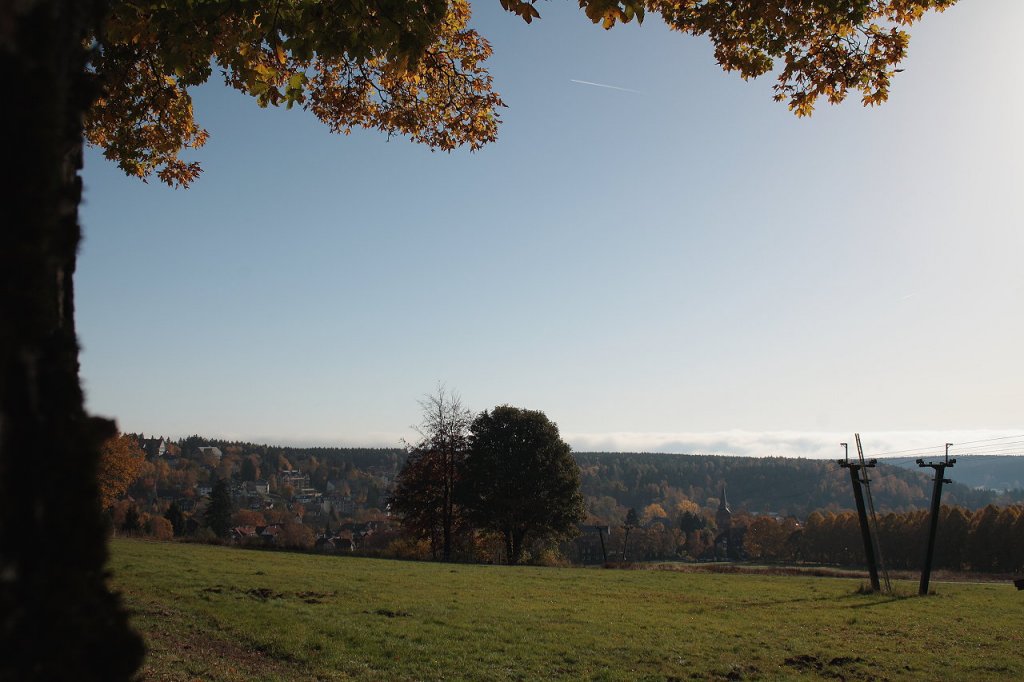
738, 443
810, 444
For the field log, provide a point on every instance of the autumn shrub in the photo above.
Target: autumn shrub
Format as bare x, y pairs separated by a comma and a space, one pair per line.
278, 515
120, 463
117, 513
295, 536
159, 528
252, 542
405, 547
627, 565
549, 556
248, 517
205, 536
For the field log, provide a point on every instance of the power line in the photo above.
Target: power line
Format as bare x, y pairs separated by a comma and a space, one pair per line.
1013, 448
940, 448
937, 448
986, 440
992, 453
1009, 445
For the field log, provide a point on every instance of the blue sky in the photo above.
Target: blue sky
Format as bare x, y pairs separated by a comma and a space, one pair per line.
678, 265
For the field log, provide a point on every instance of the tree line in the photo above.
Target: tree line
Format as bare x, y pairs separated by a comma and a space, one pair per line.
480, 488
987, 540
657, 485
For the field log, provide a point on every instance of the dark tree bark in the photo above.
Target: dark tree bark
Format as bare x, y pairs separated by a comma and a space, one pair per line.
58, 619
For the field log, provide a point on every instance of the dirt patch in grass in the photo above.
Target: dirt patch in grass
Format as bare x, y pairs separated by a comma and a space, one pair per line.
736, 673
388, 613
176, 652
263, 593
314, 597
839, 667
266, 594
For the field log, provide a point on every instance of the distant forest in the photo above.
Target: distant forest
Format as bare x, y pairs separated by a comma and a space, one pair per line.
764, 485
614, 482
995, 472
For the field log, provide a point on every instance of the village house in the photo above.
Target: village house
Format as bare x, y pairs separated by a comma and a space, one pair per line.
210, 450
342, 541
294, 478
153, 447
306, 496
256, 487
243, 533
338, 503
269, 534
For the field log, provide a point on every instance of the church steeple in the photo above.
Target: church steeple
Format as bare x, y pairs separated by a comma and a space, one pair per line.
723, 517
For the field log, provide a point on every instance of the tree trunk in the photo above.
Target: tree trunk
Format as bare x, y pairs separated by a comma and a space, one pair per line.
449, 510
517, 547
58, 620
509, 548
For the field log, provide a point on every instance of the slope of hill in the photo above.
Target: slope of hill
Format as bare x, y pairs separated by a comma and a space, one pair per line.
779, 485
230, 615
991, 472
614, 482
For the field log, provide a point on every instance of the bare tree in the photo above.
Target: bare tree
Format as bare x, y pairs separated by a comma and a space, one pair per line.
631, 522
425, 494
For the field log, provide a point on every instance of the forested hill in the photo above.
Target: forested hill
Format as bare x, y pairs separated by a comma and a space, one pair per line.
615, 481
762, 485
995, 472
331, 459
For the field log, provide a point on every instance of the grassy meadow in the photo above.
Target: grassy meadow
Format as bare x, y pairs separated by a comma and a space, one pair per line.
214, 613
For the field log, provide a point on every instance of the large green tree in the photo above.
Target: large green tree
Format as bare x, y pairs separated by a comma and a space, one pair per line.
176, 516
218, 512
119, 71
520, 480
417, 498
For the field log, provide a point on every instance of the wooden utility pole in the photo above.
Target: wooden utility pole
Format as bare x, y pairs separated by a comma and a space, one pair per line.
600, 534
933, 521
862, 514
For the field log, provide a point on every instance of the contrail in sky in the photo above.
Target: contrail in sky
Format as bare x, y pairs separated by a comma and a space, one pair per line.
602, 85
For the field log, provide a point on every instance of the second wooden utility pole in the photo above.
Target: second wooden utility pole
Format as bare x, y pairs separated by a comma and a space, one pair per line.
933, 521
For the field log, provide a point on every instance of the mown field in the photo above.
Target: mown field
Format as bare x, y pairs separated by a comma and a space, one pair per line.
213, 613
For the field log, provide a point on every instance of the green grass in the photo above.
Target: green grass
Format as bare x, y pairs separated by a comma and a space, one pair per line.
215, 613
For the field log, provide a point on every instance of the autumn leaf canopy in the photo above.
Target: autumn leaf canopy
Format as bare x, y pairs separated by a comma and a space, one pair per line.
415, 67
